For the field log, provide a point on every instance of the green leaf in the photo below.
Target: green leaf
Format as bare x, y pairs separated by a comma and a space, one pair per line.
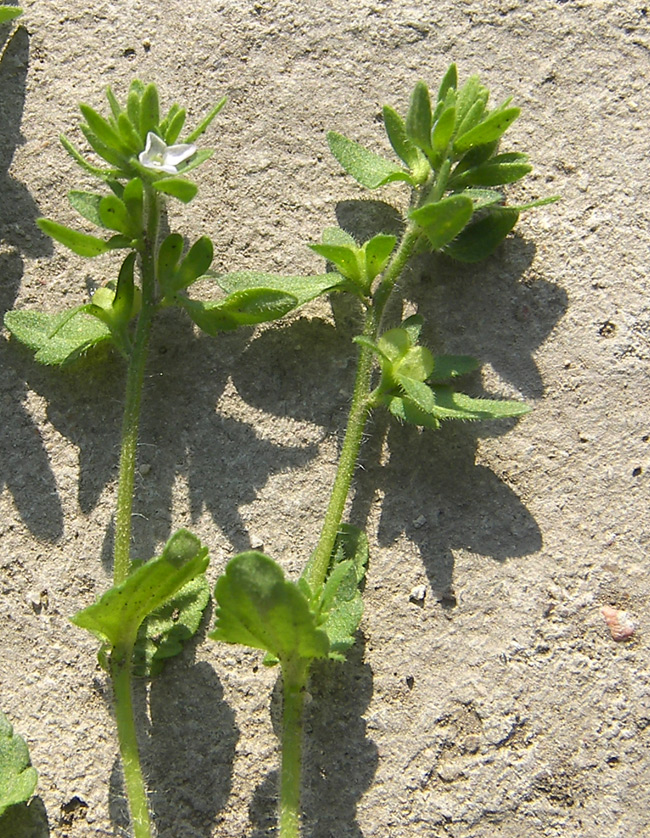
114, 215
107, 152
443, 130
164, 632
169, 255
175, 126
117, 616
504, 168
368, 169
466, 97
194, 265
418, 392
149, 110
17, 777
482, 197
103, 130
334, 235
474, 114
303, 288
258, 607
344, 257
418, 118
242, 308
178, 187
133, 197
449, 82
453, 405
56, 344
206, 122
413, 326
341, 603
416, 364
9, 13
492, 127
406, 411
378, 251
116, 109
481, 238
443, 220
124, 293
451, 366
87, 205
104, 174
196, 160
402, 145
80, 243
130, 137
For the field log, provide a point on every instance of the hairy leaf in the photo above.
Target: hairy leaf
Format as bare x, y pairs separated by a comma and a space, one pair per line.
242, 308
378, 251
443, 220
451, 366
53, 343
117, 616
200, 129
17, 777
482, 237
80, 243
418, 118
258, 607
164, 632
178, 187
303, 288
344, 257
367, 168
492, 127
9, 13
402, 145
453, 405
87, 205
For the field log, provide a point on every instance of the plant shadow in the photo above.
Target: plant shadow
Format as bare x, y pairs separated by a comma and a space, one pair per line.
188, 740
24, 464
339, 760
25, 820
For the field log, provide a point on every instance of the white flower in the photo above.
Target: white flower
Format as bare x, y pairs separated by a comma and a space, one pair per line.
164, 158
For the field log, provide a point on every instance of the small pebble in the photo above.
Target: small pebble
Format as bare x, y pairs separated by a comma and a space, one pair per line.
418, 594
257, 543
620, 625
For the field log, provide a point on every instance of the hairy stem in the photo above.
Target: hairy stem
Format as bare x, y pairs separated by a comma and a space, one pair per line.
316, 571
134, 381
133, 780
294, 682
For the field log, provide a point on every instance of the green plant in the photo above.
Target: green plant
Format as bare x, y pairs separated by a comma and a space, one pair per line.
451, 162
153, 606
17, 777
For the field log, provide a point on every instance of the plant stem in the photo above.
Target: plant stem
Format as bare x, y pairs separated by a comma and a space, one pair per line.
294, 682
122, 659
316, 571
134, 381
133, 780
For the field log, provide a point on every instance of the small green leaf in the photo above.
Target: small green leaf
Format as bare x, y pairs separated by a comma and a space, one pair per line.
368, 169
453, 405
114, 215
103, 130
394, 344
418, 118
482, 197
449, 82
344, 257
80, 243
149, 110
164, 632
413, 326
481, 238
124, 293
9, 13
443, 220
474, 114
130, 137
451, 366
466, 97
417, 364
17, 777
53, 343
178, 187
87, 205
258, 607
133, 197
206, 122
303, 288
504, 168
104, 174
406, 411
242, 308
116, 109
175, 126
378, 251
195, 264
334, 235
133, 105
402, 145
443, 130
169, 256
196, 160
117, 616
107, 152
492, 127
418, 392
